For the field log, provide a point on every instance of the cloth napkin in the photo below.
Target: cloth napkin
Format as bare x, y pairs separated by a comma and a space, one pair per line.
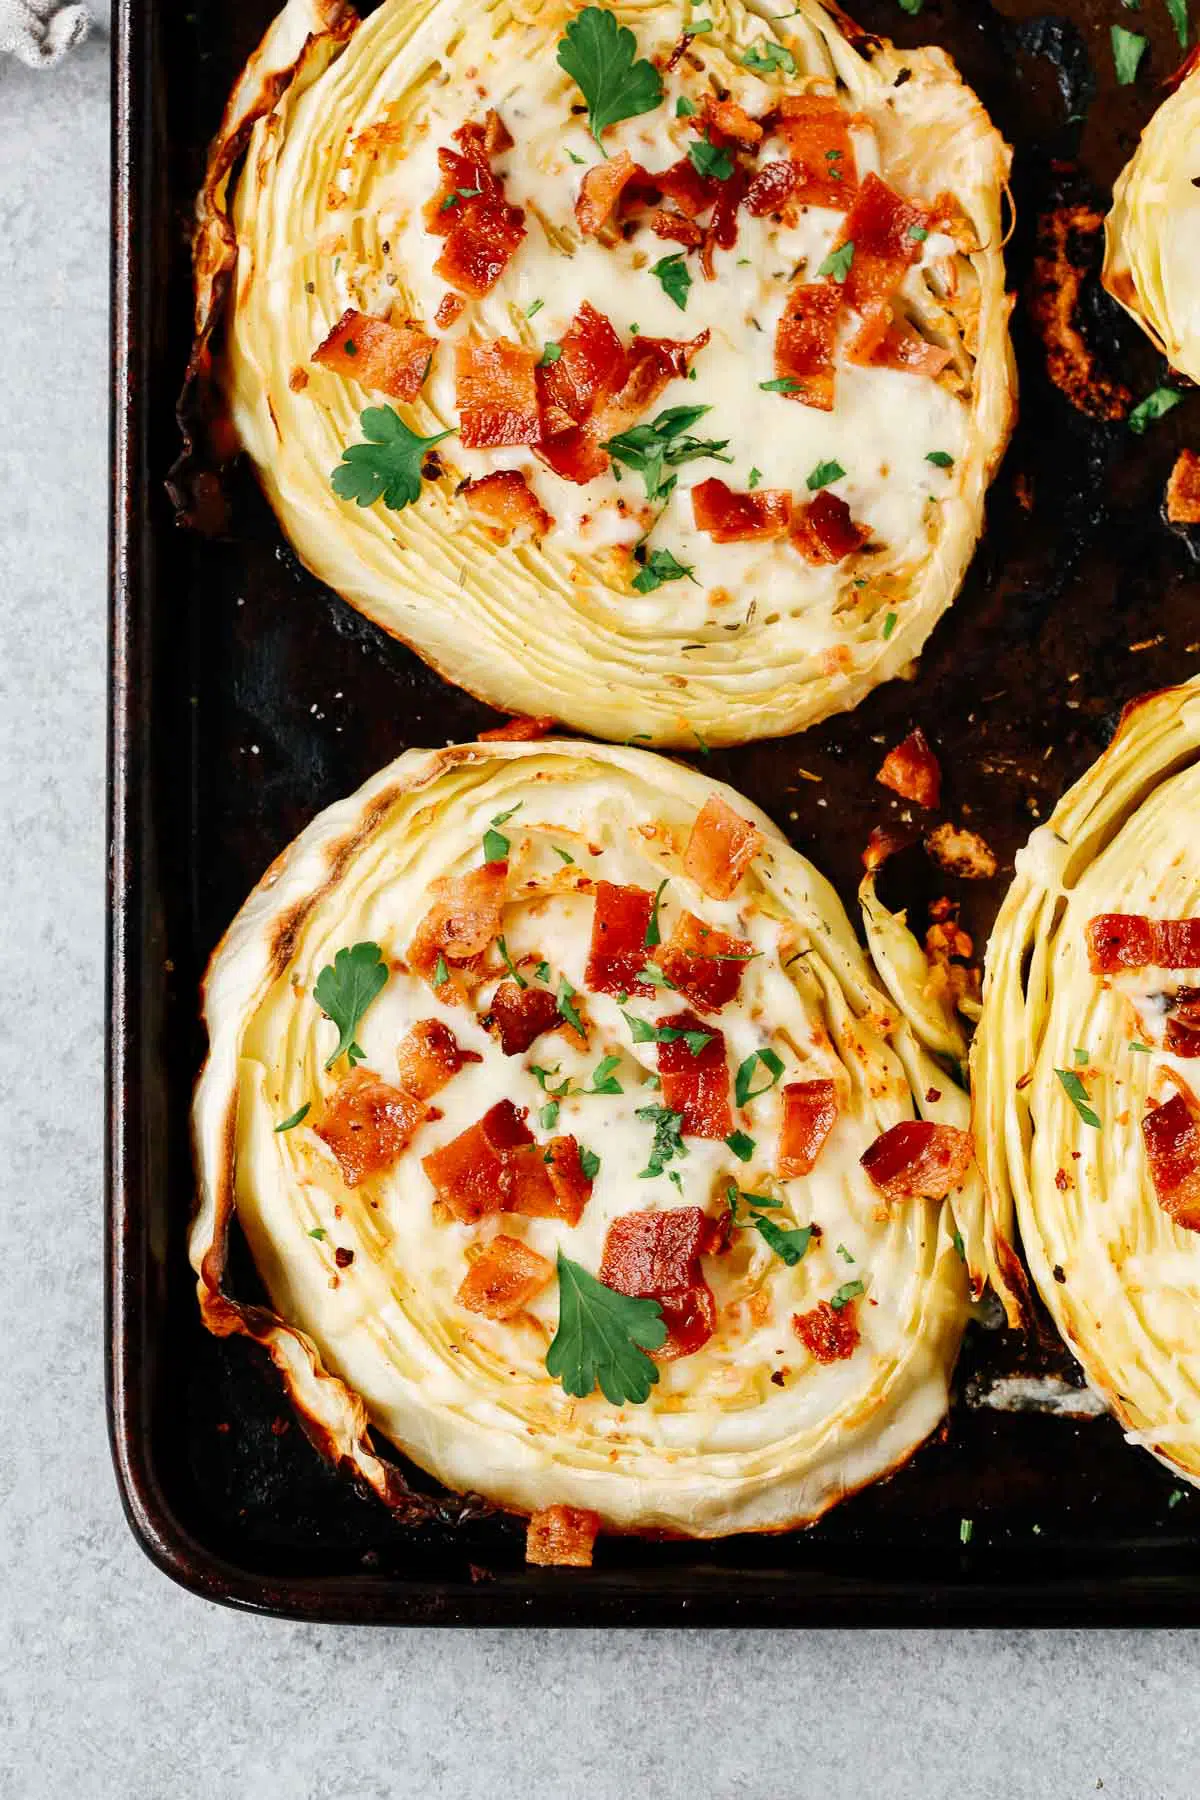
41, 31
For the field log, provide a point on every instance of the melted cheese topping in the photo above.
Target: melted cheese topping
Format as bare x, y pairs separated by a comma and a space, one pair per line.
758, 640
747, 1431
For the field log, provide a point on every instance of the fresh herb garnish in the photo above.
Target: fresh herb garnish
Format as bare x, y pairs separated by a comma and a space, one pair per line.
495, 844
458, 196
603, 1079
566, 1005
544, 1079
388, 466
1128, 49
782, 384
742, 1089
764, 55
668, 1139
1144, 1048
941, 459
601, 58
576, 159
685, 108
912, 7
653, 934
643, 1032
966, 1530
1077, 1094
589, 1162
1178, 9
1153, 407
564, 854
344, 989
318, 1231
845, 1254
550, 354
743, 1147
838, 262
889, 625
653, 974
535, 308
542, 971
823, 474
297, 1117
674, 277
660, 567
845, 1294
441, 973
790, 1246
548, 1117
754, 478
957, 1241
707, 159
916, 234
603, 1336
508, 961
664, 443
1080, 1057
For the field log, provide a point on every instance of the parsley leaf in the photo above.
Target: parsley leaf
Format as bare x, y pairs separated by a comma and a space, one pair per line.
941, 459
654, 975
550, 354
602, 1338
1178, 10
388, 466
601, 58
643, 1032
844, 1295
508, 961
966, 1530
536, 307
742, 1146
789, 1246
765, 55
660, 567
344, 989
742, 1089
668, 1139
564, 854
674, 277
300, 1114
685, 108
548, 1117
495, 845
707, 159
318, 1231
1128, 49
911, 7
457, 197
653, 934
782, 384
441, 973
664, 443
823, 474
754, 478
566, 1006
603, 1079
543, 1079
542, 971
837, 263
589, 1162
1078, 1095
889, 625
1152, 407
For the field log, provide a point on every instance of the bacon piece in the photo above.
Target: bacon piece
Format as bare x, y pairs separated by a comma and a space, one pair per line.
505, 499
459, 926
562, 1537
962, 853
829, 1333
816, 129
461, 176
805, 339
480, 1171
650, 363
1171, 1134
913, 771
600, 190
918, 1160
618, 952
730, 120
656, 1256
450, 308
672, 225
593, 365
504, 1279
734, 518
888, 343
705, 964
696, 1085
773, 186
1183, 1022
478, 248
723, 226
496, 394
1128, 941
521, 729
394, 359
810, 1111
692, 192
519, 1015
428, 1055
823, 531
881, 226
1183, 490
885, 841
720, 849
483, 141
572, 1188
367, 1123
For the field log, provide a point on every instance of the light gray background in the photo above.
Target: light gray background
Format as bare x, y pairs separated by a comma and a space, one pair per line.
113, 1684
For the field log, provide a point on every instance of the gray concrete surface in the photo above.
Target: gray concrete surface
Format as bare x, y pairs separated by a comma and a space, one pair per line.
115, 1686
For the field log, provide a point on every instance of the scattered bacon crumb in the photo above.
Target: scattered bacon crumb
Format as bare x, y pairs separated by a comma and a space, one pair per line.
886, 231
913, 771
504, 1279
655, 1256
600, 190
823, 531
734, 518
459, 926
493, 1166
1183, 490
562, 1536
960, 852
450, 308
810, 1112
705, 964
805, 339
720, 849
618, 952
469, 210
816, 129
428, 1055
505, 499
367, 1123
918, 1160
1171, 1134
1183, 1022
675, 227
888, 343
696, 1085
732, 121
496, 394
521, 729
394, 359
1128, 941
829, 1333
519, 1015
572, 1188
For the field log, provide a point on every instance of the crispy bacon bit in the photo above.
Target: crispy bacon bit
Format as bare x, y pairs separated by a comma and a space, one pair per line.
428, 1055
618, 952
469, 210
810, 1111
519, 1015
829, 1333
732, 121
459, 926
600, 190
732, 518
597, 389
562, 1537
720, 849
705, 964
696, 1085
394, 359
665, 223
823, 531
816, 130
804, 343
918, 1160
1127, 941
913, 771
883, 228
521, 729
656, 1256
593, 366
884, 841
504, 1279
450, 308
484, 141
367, 1123
1171, 1134
478, 249
572, 1188
478, 1172
773, 187
496, 394
506, 500
723, 226
962, 853
948, 949
888, 343
1183, 1022
1183, 490
692, 192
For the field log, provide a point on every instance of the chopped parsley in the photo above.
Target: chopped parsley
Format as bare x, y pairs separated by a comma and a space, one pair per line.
754, 478
548, 1117
957, 1241
966, 1530
764, 56
1128, 49
344, 989
1077, 1094
603, 1079
456, 199
659, 568
301, 1113
653, 974
441, 973
789, 1246
509, 963
495, 845
674, 277
685, 108
566, 1006
601, 58
564, 854
318, 1231
388, 466
653, 934
742, 1089
941, 459
643, 1032
1161, 401
603, 1336
837, 263
1178, 10
889, 625
708, 160
845, 1254
823, 474
589, 1162
668, 1139
782, 384
550, 354
743, 1147
535, 308
849, 1291
649, 450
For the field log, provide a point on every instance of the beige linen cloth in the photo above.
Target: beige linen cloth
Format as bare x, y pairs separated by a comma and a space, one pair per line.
41, 31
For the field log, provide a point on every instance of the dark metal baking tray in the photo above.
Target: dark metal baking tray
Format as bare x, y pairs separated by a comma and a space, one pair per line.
245, 696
